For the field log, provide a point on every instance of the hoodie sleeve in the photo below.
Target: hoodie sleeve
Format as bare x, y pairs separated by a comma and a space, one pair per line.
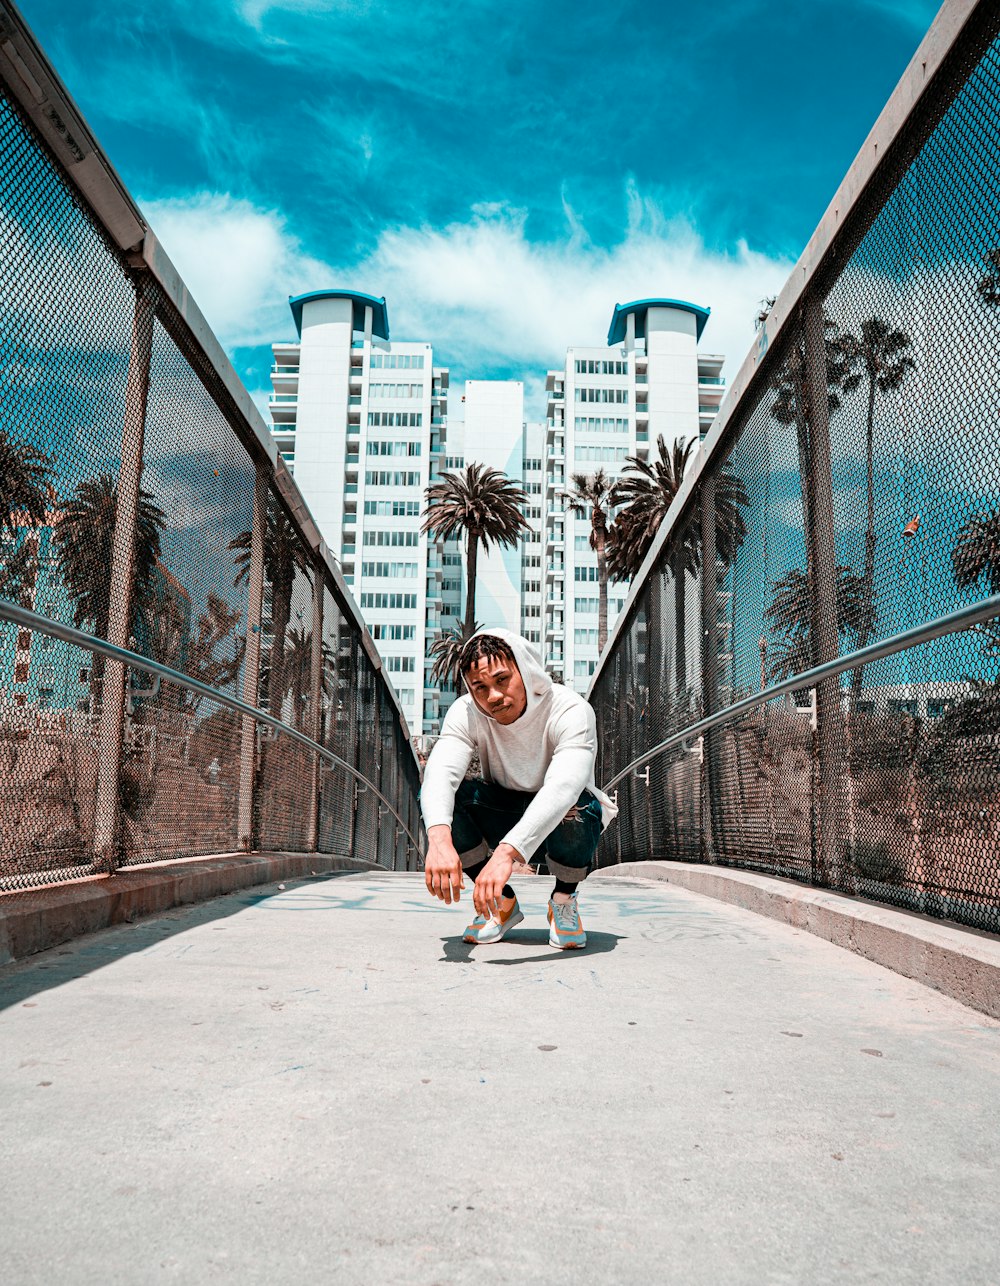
446, 767
567, 776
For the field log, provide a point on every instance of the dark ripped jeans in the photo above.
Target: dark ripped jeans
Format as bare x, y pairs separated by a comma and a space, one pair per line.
484, 813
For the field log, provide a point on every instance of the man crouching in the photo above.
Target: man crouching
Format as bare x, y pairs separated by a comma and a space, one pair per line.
536, 742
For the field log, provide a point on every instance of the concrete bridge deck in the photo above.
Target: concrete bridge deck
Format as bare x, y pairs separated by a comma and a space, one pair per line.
322, 1083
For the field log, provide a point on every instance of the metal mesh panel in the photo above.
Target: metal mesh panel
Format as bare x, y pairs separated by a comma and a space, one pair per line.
285, 780
136, 504
866, 464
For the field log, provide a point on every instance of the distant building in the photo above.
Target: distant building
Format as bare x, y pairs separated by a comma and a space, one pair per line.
37, 670
362, 423
605, 404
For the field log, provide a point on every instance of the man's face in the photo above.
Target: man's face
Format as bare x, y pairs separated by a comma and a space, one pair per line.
497, 688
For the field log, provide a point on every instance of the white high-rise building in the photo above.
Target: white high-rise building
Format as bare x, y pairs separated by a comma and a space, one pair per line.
508, 581
532, 575
361, 421
608, 403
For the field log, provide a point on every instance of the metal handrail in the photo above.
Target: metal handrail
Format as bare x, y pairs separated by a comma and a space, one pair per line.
963, 618
31, 620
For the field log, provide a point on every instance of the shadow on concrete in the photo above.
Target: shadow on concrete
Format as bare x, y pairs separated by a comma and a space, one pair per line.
458, 952
81, 956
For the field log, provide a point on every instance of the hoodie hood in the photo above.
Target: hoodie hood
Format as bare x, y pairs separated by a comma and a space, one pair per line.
537, 684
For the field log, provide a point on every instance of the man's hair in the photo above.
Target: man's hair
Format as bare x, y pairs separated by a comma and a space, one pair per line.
484, 645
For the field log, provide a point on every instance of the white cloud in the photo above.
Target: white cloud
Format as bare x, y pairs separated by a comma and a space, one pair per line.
239, 262
481, 291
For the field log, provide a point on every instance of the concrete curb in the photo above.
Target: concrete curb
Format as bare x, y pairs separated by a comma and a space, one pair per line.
33, 920
961, 963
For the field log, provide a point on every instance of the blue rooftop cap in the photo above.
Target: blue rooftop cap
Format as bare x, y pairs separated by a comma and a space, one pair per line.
616, 332
361, 301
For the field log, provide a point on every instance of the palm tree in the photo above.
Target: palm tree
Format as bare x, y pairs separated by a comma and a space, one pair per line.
25, 490
977, 554
284, 557
590, 498
647, 491
18, 572
83, 535
447, 651
791, 403
483, 503
790, 614
989, 286
880, 352
298, 672
217, 624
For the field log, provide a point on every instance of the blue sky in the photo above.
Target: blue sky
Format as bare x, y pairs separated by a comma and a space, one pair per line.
503, 173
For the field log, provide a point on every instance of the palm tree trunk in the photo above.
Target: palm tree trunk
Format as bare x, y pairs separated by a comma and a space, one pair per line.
281, 610
680, 621
470, 582
602, 592
868, 576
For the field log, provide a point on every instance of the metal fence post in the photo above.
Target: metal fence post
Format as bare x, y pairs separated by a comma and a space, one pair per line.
111, 731
251, 668
315, 706
709, 660
818, 483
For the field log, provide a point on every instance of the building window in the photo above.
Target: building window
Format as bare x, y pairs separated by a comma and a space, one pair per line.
406, 539
395, 632
532, 587
606, 455
586, 605
600, 366
399, 664
602, 395
394, 448
403, 571
396, 390
601, 424
395, 419
391, 478
393, 508
451, 586
397, 361
406, 601
585, 637
532, 609
585, 573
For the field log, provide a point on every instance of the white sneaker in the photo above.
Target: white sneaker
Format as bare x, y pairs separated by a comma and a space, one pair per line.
565, 930
492, 928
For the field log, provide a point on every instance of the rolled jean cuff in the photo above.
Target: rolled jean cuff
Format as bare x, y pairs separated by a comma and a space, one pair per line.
570, 874
474, 855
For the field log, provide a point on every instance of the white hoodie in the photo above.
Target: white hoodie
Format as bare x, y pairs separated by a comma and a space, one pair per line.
548, 752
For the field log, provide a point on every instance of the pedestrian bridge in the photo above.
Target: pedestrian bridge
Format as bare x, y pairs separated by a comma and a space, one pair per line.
322, 1082
241, 1040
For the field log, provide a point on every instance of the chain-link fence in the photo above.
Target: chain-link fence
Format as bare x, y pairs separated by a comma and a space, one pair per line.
852, 493
139, 505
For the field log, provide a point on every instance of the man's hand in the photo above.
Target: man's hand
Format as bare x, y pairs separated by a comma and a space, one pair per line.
488, 890
442, 866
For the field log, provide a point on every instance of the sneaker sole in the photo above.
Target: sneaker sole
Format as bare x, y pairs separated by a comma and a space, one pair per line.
567, 946
516, 918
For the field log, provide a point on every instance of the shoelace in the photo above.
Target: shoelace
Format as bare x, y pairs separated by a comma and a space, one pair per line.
565, 913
